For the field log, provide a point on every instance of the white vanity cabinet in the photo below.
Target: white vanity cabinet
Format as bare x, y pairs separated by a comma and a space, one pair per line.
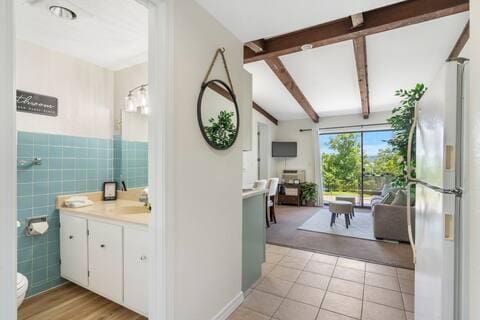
105, 263
135, 279
74, 249
108, 257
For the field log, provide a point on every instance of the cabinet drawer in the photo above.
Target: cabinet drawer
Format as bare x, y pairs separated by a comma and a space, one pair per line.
106, 259
73, 249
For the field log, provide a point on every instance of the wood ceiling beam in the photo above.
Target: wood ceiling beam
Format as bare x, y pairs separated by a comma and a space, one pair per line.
460, 44
284, 76
256, 46
224, 93
357, 20
360, 50
265, 113
377, 20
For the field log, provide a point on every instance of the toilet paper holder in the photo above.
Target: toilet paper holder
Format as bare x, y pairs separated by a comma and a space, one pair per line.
30, 230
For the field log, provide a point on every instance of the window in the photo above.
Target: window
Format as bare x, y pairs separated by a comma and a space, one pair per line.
357, 164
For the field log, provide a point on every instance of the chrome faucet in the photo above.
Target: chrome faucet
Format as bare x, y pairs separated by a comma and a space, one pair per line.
144, 198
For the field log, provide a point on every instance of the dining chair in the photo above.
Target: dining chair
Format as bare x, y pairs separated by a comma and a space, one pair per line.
272, 193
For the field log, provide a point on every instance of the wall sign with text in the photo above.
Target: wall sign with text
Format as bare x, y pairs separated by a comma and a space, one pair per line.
37, 103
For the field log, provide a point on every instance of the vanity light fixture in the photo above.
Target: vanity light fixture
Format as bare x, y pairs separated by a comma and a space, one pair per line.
137, 100
62, 12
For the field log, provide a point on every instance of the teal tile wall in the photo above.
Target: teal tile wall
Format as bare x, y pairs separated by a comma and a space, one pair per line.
130, 162
69, 165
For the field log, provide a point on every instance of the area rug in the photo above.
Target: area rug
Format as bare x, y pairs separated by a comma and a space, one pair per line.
361, 225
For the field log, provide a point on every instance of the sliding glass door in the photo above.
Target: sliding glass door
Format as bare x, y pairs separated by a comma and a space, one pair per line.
357, 164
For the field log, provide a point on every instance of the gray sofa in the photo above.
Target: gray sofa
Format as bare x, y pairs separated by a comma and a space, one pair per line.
390, 222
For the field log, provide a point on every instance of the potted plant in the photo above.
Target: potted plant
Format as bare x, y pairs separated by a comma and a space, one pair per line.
309, 193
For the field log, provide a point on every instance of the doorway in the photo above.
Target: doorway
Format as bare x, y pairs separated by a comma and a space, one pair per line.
357, 164
159, 34
263, 150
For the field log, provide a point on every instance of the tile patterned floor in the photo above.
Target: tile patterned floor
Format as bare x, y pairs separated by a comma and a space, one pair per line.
301, 285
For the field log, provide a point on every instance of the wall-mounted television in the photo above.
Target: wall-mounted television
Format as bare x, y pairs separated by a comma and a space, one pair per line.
284, 149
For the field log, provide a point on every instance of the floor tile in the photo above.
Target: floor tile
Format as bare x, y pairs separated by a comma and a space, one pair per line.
328, 315
347, 288
373, 311
381, 269
324, 258
349, 274
405, 274
262, 302
410, 315
386, 297
350, 263
273, 257
246, 314
305, 294
267, 267
293, 310
284, 273
342, 304
256, 283
274, 286
407, 286
277, 249
320, 267
300, 254
409, 302
378, 280
313, 280
293, 262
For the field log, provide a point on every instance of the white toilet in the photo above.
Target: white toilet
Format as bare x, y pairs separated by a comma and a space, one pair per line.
22, 286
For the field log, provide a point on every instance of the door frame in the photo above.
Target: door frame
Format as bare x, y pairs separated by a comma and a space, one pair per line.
263, 133
161, 95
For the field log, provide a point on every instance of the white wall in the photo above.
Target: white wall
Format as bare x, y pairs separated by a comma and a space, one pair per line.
250, 167
474, 161
290, 131
354, 120
84, 92
206, 183
134, 126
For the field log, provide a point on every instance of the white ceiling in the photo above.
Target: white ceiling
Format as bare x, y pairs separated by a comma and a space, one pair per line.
255, 19
109, 33
403, 57
327, 75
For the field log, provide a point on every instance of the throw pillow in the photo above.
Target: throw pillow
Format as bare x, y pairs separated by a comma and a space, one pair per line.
400, 199
388, 198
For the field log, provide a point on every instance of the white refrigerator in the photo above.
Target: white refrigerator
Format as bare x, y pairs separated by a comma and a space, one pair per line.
439, 213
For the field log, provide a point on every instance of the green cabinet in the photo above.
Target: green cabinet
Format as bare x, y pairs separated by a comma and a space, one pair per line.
254, 239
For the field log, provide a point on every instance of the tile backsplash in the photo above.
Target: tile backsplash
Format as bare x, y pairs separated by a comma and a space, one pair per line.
69, 165
130, 162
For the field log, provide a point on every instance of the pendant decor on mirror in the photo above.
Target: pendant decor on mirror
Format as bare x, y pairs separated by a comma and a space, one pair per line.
217, 109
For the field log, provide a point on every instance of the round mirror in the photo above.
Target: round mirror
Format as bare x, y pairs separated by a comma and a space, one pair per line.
217, 113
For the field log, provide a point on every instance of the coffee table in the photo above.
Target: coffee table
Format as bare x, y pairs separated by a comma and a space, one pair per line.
340, 207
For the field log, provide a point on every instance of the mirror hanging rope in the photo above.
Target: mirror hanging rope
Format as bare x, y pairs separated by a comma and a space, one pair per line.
220, 51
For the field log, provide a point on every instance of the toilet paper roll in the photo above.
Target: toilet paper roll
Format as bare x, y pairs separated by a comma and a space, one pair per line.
37, 228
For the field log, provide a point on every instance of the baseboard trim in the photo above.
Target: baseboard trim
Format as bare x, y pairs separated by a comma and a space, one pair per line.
229, 308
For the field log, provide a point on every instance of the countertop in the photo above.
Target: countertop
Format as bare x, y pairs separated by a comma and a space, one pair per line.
109, 210
248, 193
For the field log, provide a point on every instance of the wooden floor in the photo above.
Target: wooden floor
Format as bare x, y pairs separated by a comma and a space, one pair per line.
73, 303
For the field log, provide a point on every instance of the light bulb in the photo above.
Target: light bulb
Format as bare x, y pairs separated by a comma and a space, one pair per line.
129, 103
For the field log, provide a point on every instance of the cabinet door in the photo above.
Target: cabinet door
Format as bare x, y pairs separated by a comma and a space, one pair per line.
73, 249
136, 270
106, 259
